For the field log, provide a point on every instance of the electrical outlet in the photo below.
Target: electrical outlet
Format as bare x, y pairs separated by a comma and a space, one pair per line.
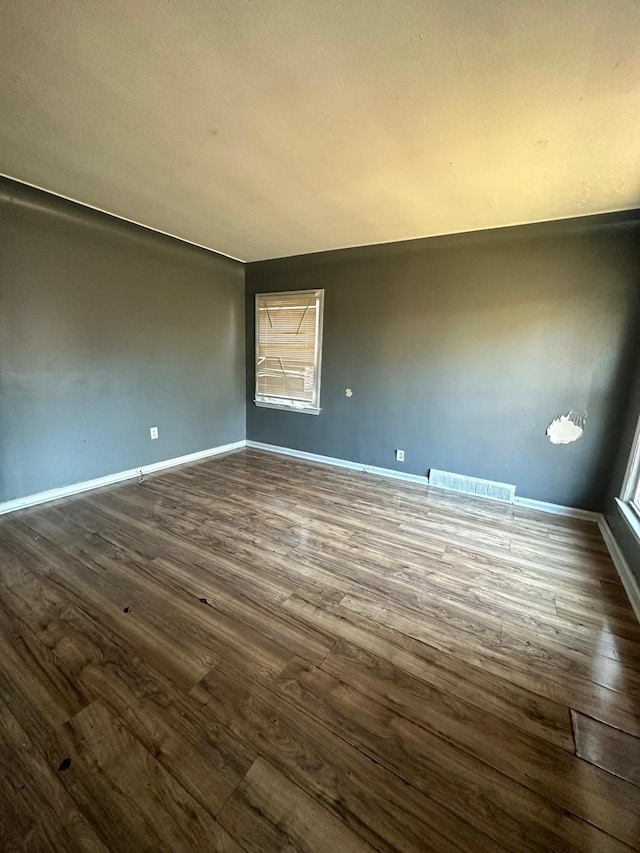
153, 432
399, 455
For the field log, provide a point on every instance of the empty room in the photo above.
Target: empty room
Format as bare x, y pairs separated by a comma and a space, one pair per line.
320, 426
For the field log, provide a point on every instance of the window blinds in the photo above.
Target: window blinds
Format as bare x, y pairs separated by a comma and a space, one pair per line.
288, 330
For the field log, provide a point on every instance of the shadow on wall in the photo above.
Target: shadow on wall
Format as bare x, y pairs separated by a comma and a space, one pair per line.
490, 346
107, 329
462, 350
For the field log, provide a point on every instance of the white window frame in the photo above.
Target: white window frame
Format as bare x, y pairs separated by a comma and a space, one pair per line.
309, 408
629, 500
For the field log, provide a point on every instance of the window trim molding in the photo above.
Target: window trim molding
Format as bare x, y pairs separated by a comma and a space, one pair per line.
628, 509
285, 407
307, 409
629, 514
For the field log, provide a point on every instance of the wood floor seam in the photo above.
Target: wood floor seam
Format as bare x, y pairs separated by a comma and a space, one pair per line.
254, 653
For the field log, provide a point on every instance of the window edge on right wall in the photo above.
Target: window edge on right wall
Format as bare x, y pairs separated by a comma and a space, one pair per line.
629, 500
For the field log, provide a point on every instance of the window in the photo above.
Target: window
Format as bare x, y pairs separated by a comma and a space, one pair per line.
629, 502
289, 350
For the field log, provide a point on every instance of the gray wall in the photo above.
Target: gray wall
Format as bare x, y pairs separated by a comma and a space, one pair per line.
107, 329
462, 349
624, 537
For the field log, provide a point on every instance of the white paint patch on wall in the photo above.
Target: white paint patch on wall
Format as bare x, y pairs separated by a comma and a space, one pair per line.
565, 429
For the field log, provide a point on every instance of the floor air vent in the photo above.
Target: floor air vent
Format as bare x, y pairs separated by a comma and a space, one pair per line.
472, 485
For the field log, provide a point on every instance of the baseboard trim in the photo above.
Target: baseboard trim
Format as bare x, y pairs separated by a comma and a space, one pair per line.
527, 503
627, 577
557, 509
629, 580
111, 479
339, 463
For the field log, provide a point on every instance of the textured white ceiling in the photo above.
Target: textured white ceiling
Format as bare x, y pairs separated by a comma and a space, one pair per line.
264, 128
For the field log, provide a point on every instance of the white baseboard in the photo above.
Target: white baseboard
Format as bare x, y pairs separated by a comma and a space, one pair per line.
339, 463
629, 580
110, 479
558, 509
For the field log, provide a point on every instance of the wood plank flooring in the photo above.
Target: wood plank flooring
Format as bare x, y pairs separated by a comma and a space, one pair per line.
255, 653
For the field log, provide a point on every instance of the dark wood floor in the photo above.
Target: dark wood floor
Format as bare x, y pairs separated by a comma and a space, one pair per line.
255, 653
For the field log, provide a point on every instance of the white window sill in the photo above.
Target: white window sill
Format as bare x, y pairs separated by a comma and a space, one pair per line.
631, 516
305, 410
